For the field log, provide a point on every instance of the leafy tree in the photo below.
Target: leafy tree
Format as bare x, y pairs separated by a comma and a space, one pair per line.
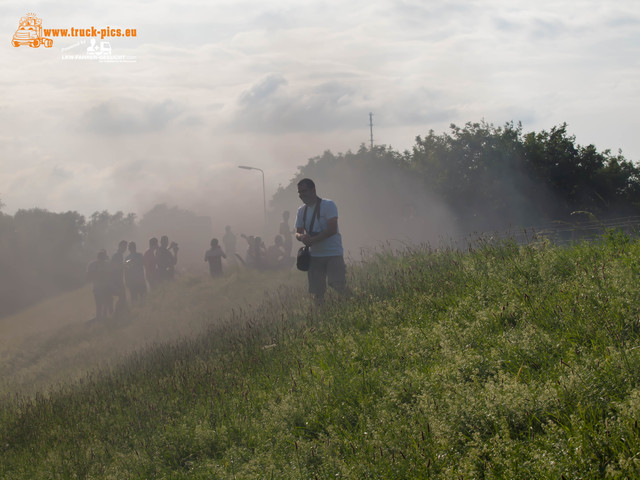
45, 253
478, 171
581, 178
378, 198
495, 177
41, 255
485, 177
191, 231
105, 230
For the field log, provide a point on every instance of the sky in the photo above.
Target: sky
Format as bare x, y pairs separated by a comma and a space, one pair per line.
211, 85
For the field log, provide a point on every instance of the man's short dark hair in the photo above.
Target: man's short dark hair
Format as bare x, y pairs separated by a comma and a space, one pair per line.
307, 182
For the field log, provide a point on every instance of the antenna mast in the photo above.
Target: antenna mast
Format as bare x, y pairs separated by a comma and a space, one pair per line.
371, 128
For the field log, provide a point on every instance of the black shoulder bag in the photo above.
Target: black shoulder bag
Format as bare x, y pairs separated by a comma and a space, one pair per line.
304, 255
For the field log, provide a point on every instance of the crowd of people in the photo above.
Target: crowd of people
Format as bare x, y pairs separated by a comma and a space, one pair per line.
140, 272
257, 255
136, 272
316, 227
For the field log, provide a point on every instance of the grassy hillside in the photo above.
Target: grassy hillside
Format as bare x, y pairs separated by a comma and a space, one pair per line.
502, 362
54, 342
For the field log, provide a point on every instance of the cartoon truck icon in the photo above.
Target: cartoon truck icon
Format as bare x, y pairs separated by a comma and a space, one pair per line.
95, 49
30, 33
105, 48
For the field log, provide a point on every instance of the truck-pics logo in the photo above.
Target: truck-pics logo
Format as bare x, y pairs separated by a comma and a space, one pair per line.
29, 32
93, 42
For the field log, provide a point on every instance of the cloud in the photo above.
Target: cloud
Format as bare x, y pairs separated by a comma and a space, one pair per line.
278, 82
272, 105
264, 89
59, 173
129, 117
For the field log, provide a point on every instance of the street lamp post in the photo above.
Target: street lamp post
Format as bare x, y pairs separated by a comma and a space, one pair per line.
264, 195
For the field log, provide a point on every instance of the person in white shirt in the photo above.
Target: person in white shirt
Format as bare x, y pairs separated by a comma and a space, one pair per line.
317, 228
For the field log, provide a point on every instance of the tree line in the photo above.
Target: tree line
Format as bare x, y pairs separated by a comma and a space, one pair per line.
481, 177
478, 177
43, 253
495, 177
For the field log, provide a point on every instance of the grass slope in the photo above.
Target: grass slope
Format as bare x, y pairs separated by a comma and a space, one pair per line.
502, 362
54, 343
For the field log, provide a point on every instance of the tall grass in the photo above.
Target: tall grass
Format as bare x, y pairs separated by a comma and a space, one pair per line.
54, 342
502, 362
